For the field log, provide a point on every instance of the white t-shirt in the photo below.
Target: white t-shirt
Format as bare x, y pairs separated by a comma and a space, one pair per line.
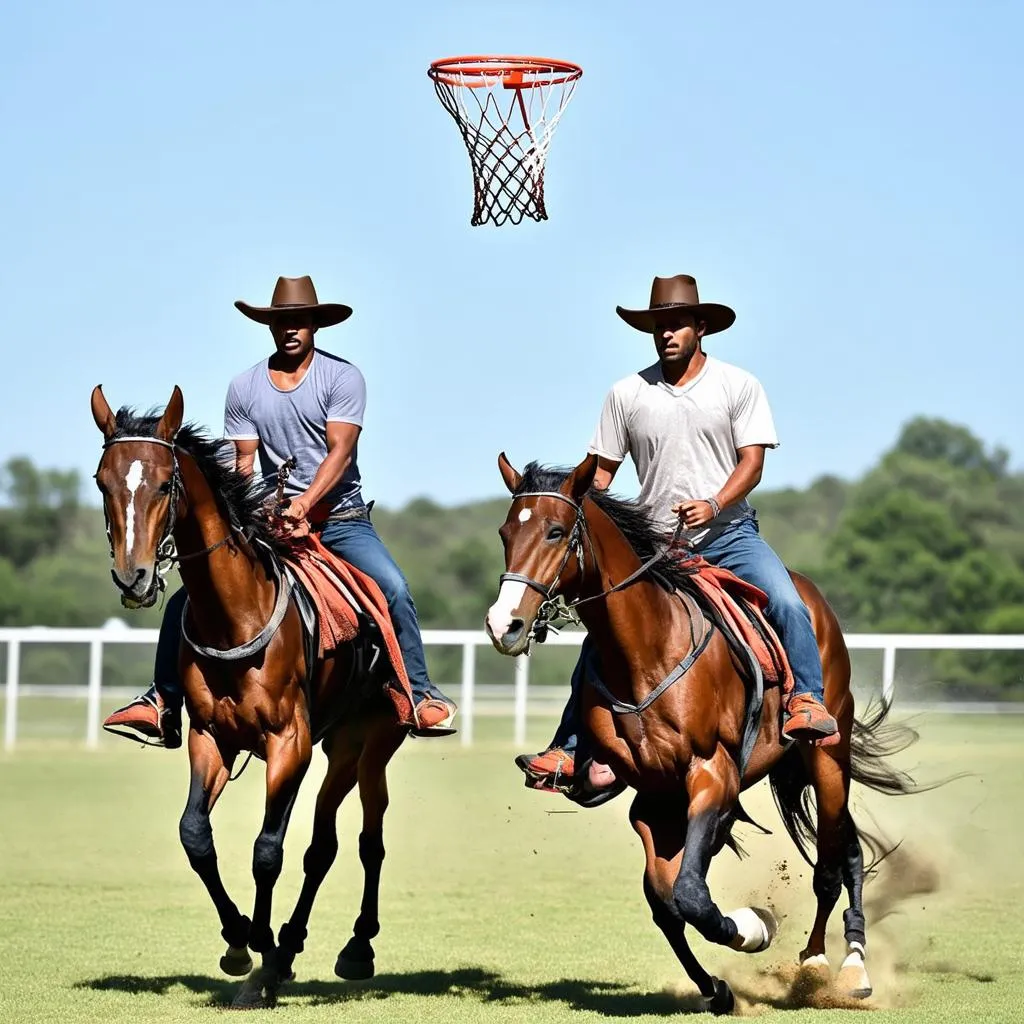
683, 440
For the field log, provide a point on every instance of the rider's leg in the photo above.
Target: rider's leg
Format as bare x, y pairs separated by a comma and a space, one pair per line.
742, 550
155, 716
357, 542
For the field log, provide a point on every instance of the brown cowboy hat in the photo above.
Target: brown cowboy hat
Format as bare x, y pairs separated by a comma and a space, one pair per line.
297, 295
677, 294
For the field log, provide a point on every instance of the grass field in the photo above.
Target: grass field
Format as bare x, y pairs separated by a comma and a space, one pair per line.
494, 907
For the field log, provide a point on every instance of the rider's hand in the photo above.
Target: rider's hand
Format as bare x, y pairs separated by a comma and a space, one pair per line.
694, 513
294, 517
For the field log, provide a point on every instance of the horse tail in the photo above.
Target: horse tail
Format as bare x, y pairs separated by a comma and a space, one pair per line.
874, 740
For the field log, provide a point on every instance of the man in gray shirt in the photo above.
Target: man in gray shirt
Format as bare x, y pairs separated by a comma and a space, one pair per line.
303, 404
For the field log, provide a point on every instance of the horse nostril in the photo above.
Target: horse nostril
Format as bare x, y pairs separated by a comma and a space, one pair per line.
514, 631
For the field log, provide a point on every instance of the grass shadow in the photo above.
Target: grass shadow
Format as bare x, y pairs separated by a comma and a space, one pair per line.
611, 999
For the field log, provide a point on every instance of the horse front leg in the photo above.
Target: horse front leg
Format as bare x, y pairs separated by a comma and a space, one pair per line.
209, 775
658, 820
288, 756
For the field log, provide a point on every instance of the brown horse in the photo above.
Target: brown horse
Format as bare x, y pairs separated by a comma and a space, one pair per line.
248, 690
682, 751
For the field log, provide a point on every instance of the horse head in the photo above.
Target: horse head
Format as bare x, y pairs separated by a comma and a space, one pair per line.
139, 479
543, 536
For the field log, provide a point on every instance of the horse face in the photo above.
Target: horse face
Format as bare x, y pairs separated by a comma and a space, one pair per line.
543, 542
136, 479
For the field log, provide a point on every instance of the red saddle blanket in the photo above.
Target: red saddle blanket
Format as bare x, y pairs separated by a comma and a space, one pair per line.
330, 581
727, 592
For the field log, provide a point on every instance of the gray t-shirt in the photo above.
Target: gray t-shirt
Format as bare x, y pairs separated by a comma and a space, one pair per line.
294, 423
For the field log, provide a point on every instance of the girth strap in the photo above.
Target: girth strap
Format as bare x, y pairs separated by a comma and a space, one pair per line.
260, 640
623, 708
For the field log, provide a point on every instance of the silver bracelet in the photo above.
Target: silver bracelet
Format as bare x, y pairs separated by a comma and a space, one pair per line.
716, 509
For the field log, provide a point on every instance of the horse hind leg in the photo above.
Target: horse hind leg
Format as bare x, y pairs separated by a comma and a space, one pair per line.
356, 960
853, 977
831, 790
322, 851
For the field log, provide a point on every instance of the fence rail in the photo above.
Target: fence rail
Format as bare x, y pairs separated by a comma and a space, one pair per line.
468, 640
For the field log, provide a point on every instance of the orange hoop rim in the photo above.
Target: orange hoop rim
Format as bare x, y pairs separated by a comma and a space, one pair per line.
511, 69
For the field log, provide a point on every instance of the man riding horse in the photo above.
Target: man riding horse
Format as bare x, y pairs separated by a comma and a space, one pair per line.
696, 429
302, 406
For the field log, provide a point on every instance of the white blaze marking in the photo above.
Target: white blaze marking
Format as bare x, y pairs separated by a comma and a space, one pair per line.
499, 616
132, 480
524, 516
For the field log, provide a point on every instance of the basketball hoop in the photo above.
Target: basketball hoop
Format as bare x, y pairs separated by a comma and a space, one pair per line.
507, 109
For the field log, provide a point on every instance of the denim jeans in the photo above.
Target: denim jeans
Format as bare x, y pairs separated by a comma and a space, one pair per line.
740, 549
355, 541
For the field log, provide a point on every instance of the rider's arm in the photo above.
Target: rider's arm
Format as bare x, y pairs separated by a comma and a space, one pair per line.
245, 456
745, 477
606, 470
341, 443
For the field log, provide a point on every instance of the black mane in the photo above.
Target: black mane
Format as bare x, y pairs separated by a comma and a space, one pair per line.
241, 498
636, 523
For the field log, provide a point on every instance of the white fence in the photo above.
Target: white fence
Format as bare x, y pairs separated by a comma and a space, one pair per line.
468, 640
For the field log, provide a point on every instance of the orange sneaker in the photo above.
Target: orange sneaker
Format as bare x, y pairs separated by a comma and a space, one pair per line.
147, 720
808, 719
551, 769
434, 717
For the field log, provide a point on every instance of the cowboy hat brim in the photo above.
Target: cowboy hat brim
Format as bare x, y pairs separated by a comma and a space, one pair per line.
715, 316
325, 314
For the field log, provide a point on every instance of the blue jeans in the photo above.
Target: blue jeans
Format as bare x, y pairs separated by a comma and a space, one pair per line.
740, 549
355, 541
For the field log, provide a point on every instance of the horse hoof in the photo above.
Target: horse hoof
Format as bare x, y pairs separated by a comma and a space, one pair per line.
816, 966
853, 979
353, 970
236, 962
723, 1001
756, 927
252, 996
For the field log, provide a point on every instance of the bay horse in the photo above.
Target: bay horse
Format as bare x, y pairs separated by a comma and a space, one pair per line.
161, 480
680, 748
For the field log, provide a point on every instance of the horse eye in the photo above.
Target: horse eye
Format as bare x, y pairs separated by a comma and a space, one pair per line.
165, 487
556, 533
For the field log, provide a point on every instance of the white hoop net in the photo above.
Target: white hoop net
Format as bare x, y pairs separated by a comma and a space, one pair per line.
507, 115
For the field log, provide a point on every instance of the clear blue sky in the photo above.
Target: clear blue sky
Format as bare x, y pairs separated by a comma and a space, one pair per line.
848, 177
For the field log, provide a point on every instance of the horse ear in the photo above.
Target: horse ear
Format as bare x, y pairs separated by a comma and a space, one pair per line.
102, 414
581, 478
512, 477
170, 422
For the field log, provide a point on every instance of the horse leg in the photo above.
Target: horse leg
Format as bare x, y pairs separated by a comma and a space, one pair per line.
713, 787
853, 975
209, 776
658, 822
831, 788
288, 757
323, 848
355, 961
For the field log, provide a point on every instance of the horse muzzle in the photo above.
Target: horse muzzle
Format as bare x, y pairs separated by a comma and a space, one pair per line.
138, 586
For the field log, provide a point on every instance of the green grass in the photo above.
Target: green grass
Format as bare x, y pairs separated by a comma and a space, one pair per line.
494, 907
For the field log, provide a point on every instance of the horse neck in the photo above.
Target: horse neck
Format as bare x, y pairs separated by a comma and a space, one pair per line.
230, 593
636, 629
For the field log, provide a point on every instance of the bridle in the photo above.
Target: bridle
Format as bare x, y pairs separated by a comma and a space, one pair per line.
550, 607
166, 551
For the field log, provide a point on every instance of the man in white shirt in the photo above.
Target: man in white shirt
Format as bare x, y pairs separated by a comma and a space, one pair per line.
697, 429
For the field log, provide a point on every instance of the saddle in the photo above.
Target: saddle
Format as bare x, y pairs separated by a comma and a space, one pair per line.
338, 603
737, 607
